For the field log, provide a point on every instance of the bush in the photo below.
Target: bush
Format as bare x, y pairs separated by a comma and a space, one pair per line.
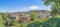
35, 23
52, 22
57, 16
1, 22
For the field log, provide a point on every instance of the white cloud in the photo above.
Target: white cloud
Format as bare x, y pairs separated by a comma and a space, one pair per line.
32, 7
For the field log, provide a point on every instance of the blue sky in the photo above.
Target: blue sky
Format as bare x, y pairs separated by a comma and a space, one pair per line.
22, 5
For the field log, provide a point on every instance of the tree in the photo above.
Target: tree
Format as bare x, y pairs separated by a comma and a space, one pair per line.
6, 19
1, 22
32, 15
15, 24
21, 14
55, 9
9, 22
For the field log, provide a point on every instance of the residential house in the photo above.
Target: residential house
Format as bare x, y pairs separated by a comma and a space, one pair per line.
41, 16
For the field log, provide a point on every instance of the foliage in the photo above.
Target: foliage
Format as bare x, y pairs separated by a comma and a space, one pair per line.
49, 22
6, 19
55, 6
57, 16
34, 24
32, 15
15, 24
23, 24
8, 22
21, 14
1, 22
52, 22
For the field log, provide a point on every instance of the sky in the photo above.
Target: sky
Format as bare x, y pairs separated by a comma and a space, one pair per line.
22, 5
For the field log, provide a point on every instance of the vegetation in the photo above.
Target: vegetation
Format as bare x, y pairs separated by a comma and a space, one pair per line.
48, 22
1, 22
32, 15
55, 9
15, 24
52, 22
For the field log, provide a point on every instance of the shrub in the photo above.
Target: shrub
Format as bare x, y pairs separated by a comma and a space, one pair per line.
51, 22
1, 22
